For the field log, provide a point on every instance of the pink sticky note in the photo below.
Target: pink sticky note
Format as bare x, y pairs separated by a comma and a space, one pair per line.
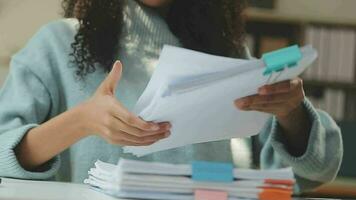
210, 195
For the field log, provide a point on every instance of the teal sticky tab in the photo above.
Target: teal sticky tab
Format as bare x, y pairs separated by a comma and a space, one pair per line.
212, 171
277, 60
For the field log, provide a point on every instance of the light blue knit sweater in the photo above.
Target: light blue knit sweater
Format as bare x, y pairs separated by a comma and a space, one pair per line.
42, 84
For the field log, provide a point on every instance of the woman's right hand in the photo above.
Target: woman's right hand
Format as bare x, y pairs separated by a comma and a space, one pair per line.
105, 116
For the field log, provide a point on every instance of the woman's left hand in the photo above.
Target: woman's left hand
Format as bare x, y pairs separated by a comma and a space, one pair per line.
284, 100
279, 99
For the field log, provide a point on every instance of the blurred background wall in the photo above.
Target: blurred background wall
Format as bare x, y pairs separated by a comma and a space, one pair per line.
19, 20
341, 10
329, 25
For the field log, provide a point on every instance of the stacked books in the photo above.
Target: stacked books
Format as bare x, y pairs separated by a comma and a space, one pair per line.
198, 181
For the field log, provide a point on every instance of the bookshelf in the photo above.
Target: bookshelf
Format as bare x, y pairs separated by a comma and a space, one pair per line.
270, 29
269, 15
282, 29
350, 87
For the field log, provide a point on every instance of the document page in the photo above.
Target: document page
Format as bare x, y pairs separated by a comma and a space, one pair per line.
195, 92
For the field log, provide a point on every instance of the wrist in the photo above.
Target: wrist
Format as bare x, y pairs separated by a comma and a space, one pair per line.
298, 117
295, 113
295, 128
81, 124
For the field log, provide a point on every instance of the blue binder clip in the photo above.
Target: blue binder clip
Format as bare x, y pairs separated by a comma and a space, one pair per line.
277, 61
212, 171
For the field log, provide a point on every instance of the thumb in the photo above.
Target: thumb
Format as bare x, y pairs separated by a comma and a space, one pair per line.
108, 86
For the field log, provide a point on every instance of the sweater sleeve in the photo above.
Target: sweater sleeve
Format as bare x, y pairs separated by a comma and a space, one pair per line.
322, 159
24, 104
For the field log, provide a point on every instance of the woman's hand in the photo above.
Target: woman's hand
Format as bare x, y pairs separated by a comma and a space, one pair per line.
284, 100
280, 99
104, 115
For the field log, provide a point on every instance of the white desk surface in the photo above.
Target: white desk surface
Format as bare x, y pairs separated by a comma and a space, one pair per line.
11, 189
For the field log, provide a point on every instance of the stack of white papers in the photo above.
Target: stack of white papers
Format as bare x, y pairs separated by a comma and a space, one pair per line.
195, 93
162, 181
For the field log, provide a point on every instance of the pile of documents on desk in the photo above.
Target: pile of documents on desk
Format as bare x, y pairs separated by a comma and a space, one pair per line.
195, 92
162, 181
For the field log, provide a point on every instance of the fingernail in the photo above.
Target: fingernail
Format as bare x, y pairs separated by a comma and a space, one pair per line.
167, 134
117, 63
165, 126
168, 126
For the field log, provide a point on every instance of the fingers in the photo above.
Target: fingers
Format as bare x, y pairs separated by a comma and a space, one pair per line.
118, 137
132, 120
108, 86
267, 106
279, 109
277, 93
261, 99
278, 99
272, 108
282, 87
128, 143
139, 140
266, 99
115, 123
114, 76
118, 125
117, 130
274, 99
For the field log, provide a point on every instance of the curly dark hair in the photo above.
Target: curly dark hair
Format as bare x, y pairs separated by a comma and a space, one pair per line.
211, 26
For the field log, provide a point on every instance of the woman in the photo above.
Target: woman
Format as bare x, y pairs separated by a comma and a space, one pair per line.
60, 103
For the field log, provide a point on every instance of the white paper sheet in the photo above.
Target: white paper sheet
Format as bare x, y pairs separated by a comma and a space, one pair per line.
195, 93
